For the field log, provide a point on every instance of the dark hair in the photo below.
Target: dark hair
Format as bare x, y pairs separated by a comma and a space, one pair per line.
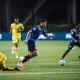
41, 20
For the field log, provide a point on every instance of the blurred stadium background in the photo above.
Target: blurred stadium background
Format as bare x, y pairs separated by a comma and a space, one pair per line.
62, 15
59, 13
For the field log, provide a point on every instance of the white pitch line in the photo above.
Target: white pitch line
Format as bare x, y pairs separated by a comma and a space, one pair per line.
38, 73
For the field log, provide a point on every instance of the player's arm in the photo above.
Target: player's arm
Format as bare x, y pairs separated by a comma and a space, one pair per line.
21, 28
48, 35
28, 33
74, 38
73, 35
4, 68
10, 29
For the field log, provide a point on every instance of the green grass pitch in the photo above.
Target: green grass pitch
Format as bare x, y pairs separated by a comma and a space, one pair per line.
45, 66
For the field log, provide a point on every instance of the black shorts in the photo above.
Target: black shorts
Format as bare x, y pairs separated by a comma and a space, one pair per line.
31, 46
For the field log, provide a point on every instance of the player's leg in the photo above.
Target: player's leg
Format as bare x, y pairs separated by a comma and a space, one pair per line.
78, 45
3, 68
32, 53
29, 56
10, 69
16, 50
14, 41
13, 48
70, 46
16, 45
25, 59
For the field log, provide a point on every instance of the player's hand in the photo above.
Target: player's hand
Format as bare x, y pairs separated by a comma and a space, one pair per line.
53, 35
19, 30
25, 41
50, 35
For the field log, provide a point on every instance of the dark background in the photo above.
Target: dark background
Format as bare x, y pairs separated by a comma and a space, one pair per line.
59, 13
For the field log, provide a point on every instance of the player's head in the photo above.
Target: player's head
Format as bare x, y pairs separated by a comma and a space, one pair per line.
42, 23
16, 20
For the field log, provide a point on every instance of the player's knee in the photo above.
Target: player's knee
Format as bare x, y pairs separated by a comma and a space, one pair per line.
34, 54
69, 48
16, 44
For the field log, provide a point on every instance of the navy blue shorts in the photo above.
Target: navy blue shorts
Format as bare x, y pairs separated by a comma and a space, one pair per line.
31, 46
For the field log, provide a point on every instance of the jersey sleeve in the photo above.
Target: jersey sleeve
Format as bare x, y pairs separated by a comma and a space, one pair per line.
74, 34
21, 26
11, 26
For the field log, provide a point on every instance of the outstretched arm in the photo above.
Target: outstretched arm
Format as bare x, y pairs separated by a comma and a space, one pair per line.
50, 35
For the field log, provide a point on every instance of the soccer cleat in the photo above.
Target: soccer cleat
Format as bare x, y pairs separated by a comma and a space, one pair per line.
17, 69
20, 65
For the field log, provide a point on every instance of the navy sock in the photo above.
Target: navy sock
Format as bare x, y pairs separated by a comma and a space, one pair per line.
26, 58
65, 53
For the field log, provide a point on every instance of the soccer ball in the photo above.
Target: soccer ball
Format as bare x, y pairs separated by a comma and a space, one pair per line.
62, 62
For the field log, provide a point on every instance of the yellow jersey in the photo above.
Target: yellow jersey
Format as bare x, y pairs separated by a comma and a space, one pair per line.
3, 58
15, 28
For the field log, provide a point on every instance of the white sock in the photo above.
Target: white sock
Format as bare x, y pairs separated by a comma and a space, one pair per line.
13, 51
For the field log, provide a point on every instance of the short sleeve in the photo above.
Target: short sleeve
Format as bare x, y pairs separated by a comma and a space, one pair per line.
21, 26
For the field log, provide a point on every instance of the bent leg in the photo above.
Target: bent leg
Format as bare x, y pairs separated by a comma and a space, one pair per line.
70, 46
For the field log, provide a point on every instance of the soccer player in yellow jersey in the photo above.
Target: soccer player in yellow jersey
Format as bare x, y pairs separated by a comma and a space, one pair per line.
3, 59
16, 29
